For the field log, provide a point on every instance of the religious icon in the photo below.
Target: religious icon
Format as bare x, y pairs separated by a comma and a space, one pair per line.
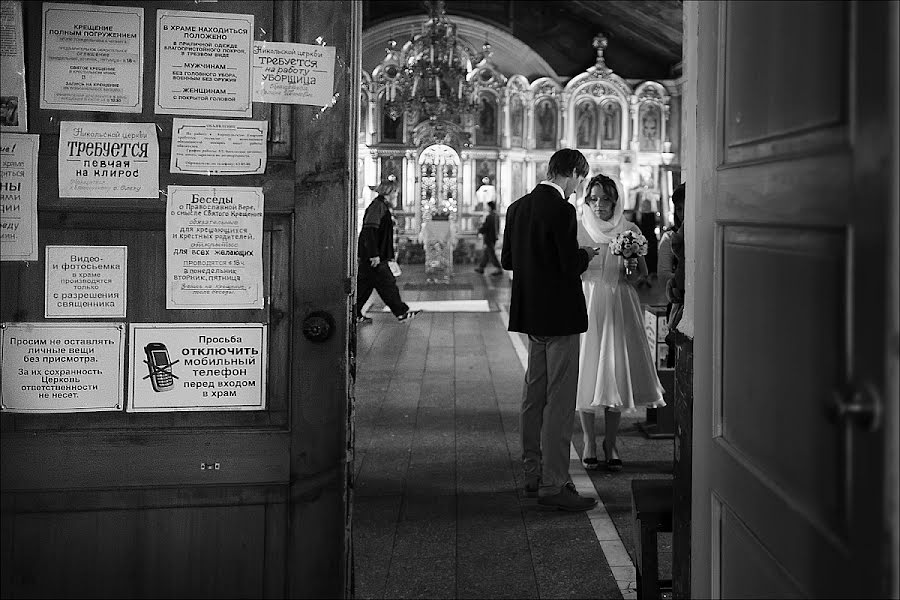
586, 125
486, 133
650, 128
546, 124
517, 121
611, 123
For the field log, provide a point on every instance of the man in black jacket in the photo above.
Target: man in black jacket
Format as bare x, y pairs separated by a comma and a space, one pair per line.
541, 248
490, 231
375, 250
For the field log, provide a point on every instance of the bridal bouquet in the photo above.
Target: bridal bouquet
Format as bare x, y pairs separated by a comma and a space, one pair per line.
628, 245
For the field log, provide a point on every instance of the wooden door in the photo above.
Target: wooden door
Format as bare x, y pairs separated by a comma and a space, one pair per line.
201, 503
790, 195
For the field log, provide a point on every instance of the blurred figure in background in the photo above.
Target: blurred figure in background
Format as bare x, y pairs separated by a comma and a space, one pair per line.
490, 232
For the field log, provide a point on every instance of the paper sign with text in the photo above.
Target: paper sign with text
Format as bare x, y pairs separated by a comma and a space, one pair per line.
62, 367
203, 63
87, 282
92, 58
18, 184
197, 366
285, 73
214, 247
13, 100
218, 147
108, 160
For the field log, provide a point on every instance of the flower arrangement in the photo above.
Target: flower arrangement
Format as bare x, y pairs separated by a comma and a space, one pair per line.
628, 245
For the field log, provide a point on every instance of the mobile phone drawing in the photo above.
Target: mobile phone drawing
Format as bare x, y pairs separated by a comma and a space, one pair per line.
160, 366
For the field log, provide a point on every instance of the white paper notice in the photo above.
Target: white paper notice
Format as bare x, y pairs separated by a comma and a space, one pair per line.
203, 63
218, 147
13, 105
108, 160
18, 190
93, 58
285, 73
85, 282
214, 247
197, 366
62, 367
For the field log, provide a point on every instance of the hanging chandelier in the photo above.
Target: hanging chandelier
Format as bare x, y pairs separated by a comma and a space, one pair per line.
432, 83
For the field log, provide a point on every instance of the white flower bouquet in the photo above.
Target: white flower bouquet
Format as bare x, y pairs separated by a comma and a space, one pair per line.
628, 245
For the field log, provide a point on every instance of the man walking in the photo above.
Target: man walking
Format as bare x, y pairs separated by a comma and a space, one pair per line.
490, 231
541, 248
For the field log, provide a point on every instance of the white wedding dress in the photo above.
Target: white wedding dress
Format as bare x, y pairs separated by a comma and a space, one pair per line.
615, 367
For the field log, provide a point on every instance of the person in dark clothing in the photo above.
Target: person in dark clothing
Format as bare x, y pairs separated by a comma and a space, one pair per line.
490, 231
541, 248
375, 249
647, 224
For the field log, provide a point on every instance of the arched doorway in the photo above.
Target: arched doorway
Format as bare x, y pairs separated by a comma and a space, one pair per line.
439, 177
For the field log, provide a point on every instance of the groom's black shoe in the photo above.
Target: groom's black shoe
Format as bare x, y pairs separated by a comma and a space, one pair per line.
531, 486
567, 499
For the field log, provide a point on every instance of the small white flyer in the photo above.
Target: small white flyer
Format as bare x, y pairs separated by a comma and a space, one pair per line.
285, 73
214, 247
218, 147
13, 100
108, 160
92, 58
18, 185
85, 282
203, 63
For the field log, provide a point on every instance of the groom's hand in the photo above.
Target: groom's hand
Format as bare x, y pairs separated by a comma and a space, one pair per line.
591, 251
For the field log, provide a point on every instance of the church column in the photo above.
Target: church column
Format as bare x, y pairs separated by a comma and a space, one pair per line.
505, 119
468, 179
664, 117
635, 112
504, 182
410, 194
565, 140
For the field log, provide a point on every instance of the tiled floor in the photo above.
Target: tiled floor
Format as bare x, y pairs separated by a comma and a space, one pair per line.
437, 509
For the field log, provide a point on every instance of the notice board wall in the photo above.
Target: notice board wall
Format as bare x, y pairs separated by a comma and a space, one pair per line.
199, 503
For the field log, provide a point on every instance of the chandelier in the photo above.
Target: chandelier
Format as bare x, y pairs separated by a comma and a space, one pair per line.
432, 82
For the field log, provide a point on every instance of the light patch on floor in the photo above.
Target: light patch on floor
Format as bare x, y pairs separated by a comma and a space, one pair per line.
448, 306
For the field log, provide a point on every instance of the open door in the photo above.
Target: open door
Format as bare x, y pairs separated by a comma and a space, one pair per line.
791, 196
186, 503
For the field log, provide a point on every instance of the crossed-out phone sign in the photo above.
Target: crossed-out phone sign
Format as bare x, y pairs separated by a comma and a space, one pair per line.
161, 369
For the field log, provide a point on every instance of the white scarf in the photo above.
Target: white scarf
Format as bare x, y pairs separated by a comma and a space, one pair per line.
603, 232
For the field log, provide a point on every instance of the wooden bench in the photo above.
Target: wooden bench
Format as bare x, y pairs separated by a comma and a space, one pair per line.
651, 507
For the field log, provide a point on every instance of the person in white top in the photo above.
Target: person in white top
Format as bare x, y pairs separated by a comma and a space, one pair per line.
615, 371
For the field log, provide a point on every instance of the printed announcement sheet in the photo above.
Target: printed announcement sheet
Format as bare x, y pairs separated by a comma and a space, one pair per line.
214, 247
92, 58
218, 146
18, 196
203, 63
293, 73
85, 282
108, 160
197, 366
62, 367
13, 101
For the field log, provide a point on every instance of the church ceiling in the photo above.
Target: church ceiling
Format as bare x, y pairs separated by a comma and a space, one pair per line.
644, 35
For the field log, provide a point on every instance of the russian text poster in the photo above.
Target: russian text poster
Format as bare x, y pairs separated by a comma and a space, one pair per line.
203, 63
197, 366
13, 101
218, 146
214, 247
108, 160
85, 282
92, 58
18, 196
287, 73
62, 367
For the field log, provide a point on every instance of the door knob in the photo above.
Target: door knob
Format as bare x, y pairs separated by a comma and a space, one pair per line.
318, 326
858, 405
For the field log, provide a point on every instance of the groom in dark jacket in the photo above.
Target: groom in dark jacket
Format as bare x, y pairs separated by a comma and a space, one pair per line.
541, 248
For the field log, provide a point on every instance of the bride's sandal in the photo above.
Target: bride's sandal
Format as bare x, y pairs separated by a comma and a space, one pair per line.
612, 464
590, 463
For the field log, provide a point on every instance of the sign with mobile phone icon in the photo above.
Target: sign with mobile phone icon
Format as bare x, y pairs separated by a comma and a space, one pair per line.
197, 366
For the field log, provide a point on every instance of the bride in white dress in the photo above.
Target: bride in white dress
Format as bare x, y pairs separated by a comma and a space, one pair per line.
615, 371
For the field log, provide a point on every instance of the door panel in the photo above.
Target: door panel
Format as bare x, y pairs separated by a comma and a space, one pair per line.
789, 247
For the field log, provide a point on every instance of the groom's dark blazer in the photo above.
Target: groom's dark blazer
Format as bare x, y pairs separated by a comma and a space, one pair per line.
540, 246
